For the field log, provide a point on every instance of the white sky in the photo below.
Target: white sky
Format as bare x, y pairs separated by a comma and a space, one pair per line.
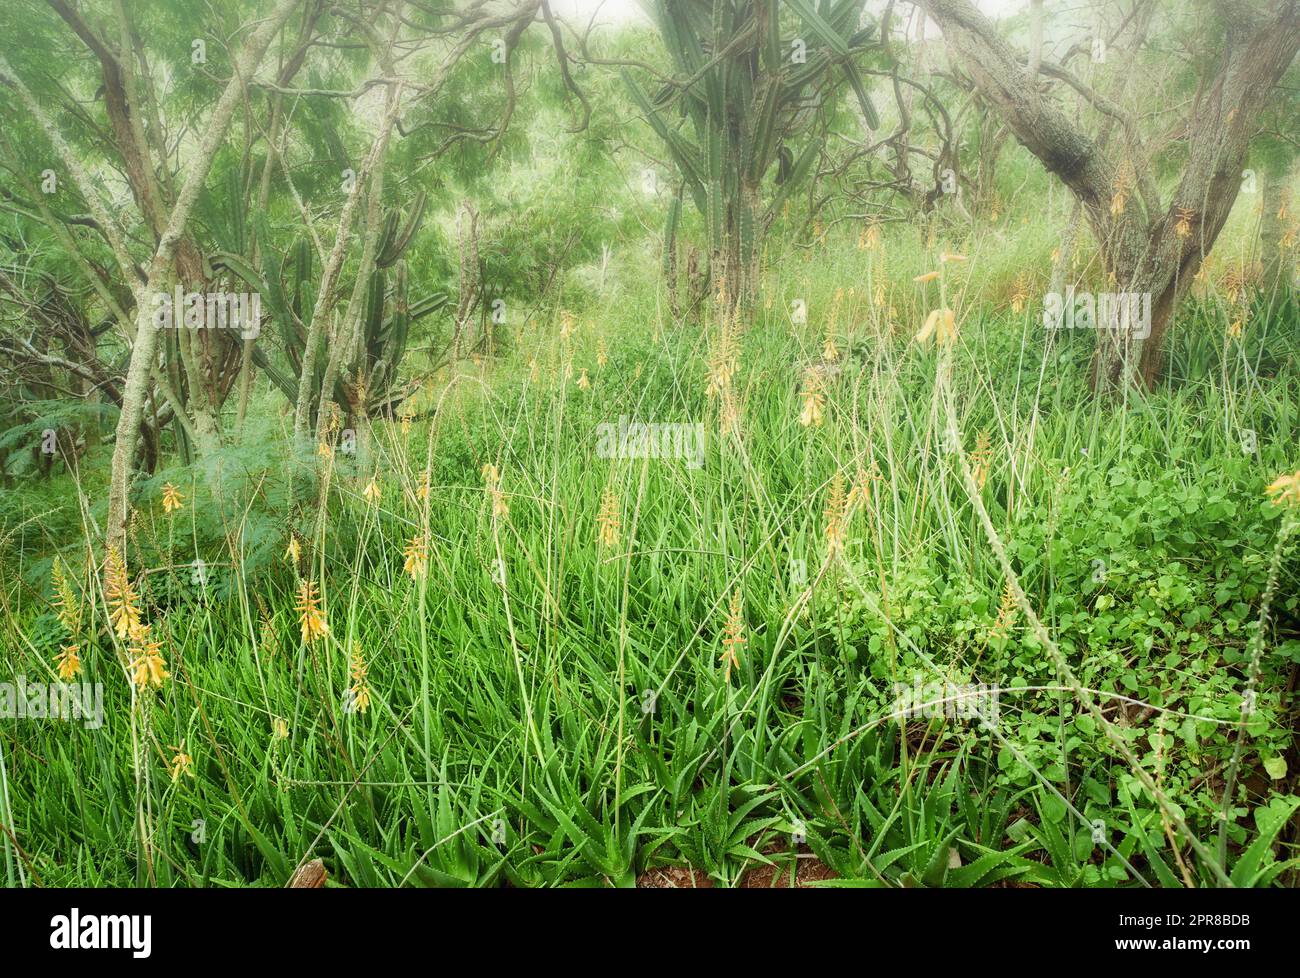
622, 11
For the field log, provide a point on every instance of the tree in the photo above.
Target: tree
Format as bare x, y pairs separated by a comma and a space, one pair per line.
170, 224
1148, 244
192, 232
749, 91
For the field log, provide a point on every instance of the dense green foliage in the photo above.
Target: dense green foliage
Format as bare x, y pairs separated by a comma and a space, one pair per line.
548, 666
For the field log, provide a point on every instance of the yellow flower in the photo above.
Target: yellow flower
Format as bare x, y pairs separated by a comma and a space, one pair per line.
1183, 229
813, 404
180, 763
293, 553
148, 668
422, 491
829, 350
310, 615
941, 324
69, 661
279, 728
602, 357
172, 499
814, 401
1019, 294
733, 637
1006, 618
860, 491
608, 519
721, 370
836, 514
372, 492
583, 382
417, 557
359, 691
927, 277
65, 600
325, 450
980, 458
1285, 489
948, 256
123, 602
492, 479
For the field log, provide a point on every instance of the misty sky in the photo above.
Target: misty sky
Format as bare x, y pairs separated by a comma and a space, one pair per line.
620, 11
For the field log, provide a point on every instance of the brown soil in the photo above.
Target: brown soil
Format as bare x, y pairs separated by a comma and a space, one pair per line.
673, 878
809, 869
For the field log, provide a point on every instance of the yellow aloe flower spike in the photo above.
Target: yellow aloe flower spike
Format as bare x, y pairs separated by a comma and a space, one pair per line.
123, 602
359, 691
417, 557
836, 513
1285, 489
69, 661
181, 763
609, 524
940, 324
311, 617
172, 500
148, 668
733, 637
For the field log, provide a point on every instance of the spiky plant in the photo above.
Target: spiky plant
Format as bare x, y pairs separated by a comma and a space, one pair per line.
370, 383
751, 86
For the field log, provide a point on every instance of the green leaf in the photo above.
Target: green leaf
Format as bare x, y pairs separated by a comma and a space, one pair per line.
823, 31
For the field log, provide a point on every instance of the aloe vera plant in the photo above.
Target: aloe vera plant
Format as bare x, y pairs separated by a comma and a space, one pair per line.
750, 81
370, 383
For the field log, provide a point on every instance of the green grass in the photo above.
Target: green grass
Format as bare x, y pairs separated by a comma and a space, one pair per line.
572, 726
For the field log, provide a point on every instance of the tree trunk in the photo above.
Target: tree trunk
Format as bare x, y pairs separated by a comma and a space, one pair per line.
145, 348
1277, 214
